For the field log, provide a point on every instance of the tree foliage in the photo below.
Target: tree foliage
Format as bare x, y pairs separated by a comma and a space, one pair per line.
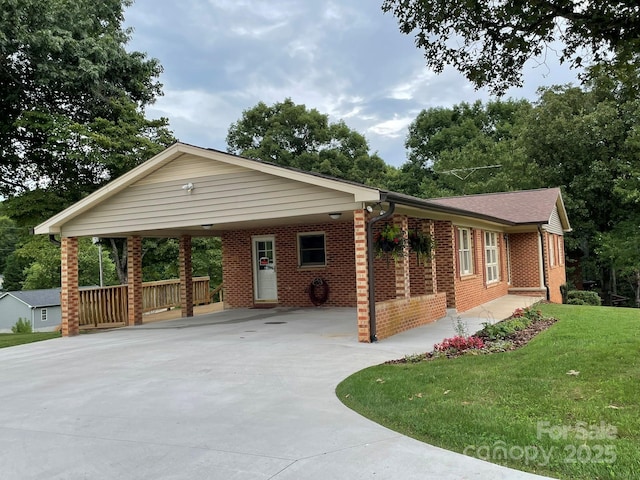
447, 143
584, 139
72, 99
489, 42
293, 136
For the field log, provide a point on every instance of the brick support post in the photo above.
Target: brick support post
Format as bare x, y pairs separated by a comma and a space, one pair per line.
186, 278
362, 274
430, 276
69, 293
403, 287
134, 281
446, 259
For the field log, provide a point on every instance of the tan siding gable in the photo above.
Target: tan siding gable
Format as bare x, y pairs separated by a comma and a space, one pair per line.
555, 225
243, 195
188, 167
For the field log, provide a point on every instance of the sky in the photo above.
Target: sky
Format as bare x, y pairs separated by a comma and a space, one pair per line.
345, 58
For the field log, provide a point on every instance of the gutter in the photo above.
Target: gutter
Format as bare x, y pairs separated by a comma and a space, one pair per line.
371, 273
544, 264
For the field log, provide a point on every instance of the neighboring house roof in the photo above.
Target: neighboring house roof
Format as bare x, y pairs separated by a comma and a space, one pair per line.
37, 298
521, 207
173, 212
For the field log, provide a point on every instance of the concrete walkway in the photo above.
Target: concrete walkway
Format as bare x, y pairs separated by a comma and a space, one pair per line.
243, 394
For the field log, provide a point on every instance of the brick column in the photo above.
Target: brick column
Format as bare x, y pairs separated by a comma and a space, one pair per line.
134, 281
430, 276
69, 294
403, 287
186, 278
446, 259
362, 275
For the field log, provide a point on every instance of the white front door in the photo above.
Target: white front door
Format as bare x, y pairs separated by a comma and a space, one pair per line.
264, 269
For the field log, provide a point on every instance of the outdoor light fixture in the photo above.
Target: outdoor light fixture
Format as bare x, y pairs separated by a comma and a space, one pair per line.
207, 226
188, 187
369, 209
335, 215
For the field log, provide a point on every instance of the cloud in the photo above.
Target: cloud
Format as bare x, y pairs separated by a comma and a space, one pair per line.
392, 128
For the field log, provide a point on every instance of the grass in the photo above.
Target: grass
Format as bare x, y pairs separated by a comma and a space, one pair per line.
12, 339
511, 407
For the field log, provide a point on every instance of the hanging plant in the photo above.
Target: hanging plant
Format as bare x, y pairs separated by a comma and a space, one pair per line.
422, 244
390, 242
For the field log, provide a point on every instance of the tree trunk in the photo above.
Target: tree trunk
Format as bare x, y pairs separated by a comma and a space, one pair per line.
119, 253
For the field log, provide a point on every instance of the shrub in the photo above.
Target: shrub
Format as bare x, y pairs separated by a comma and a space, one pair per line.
564, 291
459, 344
496, 331
22, 326
588, 298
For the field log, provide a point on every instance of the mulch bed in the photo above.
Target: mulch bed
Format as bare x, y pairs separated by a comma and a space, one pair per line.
518, 340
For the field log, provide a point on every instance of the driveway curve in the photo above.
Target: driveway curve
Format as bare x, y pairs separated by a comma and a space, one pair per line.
242, 394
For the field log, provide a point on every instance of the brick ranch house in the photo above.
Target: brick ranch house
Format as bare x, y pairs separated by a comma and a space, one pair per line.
281, 229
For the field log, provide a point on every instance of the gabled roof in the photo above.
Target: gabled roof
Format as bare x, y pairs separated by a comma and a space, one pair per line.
533, 207
37, 298
360, 192
521, 207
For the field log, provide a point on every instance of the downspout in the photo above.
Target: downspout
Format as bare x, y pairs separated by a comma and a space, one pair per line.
544, 263
372, 277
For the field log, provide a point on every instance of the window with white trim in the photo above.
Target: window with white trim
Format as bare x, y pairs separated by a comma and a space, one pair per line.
491, 256
560, 250
43, 315
552, 250
312, 249
465, 252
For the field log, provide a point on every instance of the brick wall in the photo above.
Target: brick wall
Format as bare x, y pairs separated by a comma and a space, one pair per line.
385, 271
525, 263
339, 273
417, 270
395, 316
472, 290
446, 259
556, 275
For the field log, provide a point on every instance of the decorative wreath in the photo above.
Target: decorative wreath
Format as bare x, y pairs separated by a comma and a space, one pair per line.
318, 291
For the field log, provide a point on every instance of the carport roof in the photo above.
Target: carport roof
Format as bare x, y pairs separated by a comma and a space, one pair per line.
518, 211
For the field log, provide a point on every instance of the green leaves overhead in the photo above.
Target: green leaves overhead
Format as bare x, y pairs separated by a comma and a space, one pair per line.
489, 42
72, 97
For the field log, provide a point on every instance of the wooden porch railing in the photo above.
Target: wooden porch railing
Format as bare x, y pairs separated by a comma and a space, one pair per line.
107, 306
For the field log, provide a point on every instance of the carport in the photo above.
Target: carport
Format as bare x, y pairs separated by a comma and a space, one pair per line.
284, 232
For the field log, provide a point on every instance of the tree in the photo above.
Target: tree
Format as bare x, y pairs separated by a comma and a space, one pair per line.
444, 145
72, 100
489, 42
292, 136
9, 236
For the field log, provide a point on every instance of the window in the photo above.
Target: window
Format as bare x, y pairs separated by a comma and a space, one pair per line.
552, 250
491, 256
464, 251
560, 250
43, 315
311, 249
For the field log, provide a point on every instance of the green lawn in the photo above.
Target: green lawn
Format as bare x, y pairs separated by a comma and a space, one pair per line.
518, 407
12, 339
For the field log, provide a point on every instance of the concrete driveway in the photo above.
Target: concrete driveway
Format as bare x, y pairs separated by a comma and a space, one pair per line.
243, 394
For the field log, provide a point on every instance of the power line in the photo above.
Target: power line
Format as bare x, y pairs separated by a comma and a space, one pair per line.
455, 172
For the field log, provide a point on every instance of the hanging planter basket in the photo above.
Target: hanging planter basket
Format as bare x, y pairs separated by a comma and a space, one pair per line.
390, 242
422, 244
